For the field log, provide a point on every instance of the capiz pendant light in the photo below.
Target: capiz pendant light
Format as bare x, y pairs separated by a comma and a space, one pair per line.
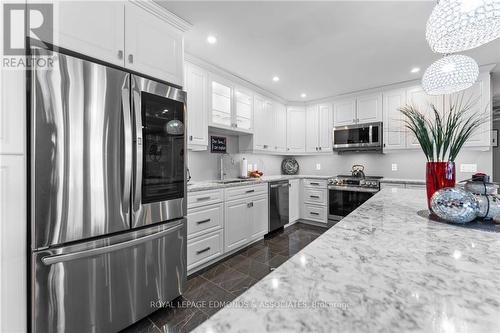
459, 25
450, 74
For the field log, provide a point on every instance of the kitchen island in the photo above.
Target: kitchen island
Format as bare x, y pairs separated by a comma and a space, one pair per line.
383, 268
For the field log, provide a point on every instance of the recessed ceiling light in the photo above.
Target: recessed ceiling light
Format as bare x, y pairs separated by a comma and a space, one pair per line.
211, 39
303, 95
276, 79
415, 70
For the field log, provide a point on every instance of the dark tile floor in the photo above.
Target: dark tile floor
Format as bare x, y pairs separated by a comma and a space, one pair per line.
208, 290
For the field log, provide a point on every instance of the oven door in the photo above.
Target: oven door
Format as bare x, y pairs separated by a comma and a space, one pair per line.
159, 186
342, 201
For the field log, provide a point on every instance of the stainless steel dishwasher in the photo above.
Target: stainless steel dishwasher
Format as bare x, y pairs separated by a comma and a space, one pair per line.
278, 204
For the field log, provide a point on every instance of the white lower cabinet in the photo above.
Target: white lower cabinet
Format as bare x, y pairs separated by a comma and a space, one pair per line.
220, 221
205, 219
314, 200
294, 200
246, 219
259, 223
236, 227
205, 223
204, 249
316, 213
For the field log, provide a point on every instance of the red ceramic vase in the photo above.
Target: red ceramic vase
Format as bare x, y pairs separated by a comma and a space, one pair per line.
439, 175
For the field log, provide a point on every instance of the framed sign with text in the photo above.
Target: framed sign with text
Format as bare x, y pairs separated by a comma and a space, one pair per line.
218, 144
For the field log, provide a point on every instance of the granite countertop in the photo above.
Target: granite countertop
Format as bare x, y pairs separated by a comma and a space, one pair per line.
383, 268
214, 184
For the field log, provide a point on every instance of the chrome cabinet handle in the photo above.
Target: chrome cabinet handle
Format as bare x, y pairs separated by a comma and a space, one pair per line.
202, 198
265, 146
317, 184
250, 191
250, 204
204, 250
314, 196
131, 58
57, 258
319, 148
120, 54
313, 213
203, 221
190, 138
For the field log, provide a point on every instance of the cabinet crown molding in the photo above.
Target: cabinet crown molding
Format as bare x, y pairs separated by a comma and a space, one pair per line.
160, 11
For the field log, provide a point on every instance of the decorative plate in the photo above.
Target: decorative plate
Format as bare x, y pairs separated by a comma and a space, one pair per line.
289, 166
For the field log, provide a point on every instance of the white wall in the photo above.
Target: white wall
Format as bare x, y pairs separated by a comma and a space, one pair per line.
411, 164
204, 165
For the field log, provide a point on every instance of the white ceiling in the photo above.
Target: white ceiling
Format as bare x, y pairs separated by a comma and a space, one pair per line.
319, 48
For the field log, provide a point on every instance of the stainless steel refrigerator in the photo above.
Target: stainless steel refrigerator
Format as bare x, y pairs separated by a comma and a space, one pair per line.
108, 195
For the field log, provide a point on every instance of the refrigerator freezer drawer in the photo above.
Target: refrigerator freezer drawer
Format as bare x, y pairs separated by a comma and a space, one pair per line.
108, 284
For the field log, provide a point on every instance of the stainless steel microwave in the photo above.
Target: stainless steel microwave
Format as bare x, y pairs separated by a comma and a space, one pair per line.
359, 137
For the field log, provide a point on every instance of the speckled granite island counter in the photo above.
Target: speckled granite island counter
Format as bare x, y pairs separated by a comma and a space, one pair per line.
381, 269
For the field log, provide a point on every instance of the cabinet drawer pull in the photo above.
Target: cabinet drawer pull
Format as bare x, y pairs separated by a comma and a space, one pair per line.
313, 213
317, 184
250, 191
314, 196
202, 198
120, 54
204, 250
250, 204
203, 221
131, 58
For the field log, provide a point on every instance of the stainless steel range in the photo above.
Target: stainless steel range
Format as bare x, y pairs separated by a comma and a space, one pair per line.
348, 192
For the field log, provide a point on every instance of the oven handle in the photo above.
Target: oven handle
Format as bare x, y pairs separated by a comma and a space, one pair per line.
364, 190
136, 105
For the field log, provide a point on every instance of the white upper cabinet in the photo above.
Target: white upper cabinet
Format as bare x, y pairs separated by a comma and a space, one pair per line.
358, 110
260, 124
319, 125
394, 126
221, 93
369, 108
312, 135
92, 28
244, 109
480, 93
417, 97
197, 113
153, 47
296, 130
280, 127
344, 112
325, 127
231, 107
136, 35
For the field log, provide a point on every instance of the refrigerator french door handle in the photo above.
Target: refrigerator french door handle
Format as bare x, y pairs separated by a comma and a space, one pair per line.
57, 258
127, 122
136, 105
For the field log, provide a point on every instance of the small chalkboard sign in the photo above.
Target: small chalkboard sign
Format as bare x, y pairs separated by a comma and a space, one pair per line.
218, 144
